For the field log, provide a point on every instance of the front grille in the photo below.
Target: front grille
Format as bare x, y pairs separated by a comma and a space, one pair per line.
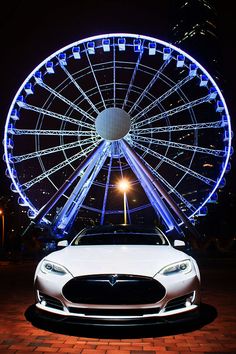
178, 302
115, 289
114, 312
50, 301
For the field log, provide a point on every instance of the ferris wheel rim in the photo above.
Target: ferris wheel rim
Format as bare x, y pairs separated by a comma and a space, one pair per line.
111, 35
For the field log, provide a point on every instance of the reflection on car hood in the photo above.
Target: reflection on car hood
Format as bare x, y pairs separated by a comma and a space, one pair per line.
116, 259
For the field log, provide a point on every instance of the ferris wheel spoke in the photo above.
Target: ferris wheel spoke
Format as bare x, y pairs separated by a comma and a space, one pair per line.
68, 102
181, 146
78, 133
79, 193
95, 78
52, 150
106, 191
58, 116
173, 111
59, 166
79, 88
149, 85
166, 94
114, 73
169, 186
180, 127
171, 162
132, 79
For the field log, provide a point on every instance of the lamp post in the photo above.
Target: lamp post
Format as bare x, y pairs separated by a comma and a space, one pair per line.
3, 228
123, 186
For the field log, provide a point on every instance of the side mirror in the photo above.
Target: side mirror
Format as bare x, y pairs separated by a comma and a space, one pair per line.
63, 243
179, 243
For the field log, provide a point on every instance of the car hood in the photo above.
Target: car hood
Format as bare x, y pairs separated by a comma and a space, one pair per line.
116, 259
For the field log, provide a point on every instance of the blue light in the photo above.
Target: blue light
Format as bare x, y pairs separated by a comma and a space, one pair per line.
224, 120
29, 89
212, 93
91, 47
121, 44
11, 128
192, 69
21, 101
214, 198
203, 80
9, 143
180, 61
76, 52
49, 67
226, 135
227, 167
222, 183
38, 77
166, 53
219, 106
14, 114
62, 59
152, 48
106, 44
203, 211
13, 188
137, 45
22, 201
31, 213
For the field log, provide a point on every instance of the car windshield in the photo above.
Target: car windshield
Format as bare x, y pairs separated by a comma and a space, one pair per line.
119, 236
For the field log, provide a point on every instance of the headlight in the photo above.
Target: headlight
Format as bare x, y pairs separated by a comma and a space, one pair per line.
50, 267
178, 267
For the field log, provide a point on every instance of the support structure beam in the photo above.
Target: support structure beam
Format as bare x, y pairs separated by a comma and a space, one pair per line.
68, 213
48, 206
161, 190
151, 192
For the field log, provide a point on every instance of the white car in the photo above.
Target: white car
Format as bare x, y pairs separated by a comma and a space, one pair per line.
118, 274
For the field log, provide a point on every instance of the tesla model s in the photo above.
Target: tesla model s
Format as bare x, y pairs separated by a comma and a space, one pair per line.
118, 274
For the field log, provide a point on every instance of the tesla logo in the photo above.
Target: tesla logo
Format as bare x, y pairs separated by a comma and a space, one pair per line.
113, 279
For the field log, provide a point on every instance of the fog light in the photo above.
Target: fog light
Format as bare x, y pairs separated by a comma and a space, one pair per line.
189, 301
43, 302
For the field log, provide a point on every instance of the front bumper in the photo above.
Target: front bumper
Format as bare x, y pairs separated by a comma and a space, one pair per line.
55, 318
180, 303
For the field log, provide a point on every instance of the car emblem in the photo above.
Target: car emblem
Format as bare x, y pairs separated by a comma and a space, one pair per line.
113, 279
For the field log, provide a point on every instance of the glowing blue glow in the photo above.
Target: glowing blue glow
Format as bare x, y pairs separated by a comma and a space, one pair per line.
152, 48
121, 44
38, 77
166, 53
192, 69
14, 114
203, 80
137, 45
76, 52
180, 61
50, 67
29, 89
106, 44
91, 47
62, 59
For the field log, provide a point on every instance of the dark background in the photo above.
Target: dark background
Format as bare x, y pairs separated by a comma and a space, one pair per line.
31, 31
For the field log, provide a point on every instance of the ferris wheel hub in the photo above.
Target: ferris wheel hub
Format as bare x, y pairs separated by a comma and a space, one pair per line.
113, 123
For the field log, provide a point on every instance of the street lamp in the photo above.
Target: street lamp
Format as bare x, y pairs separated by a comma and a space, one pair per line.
124, 186
3, 227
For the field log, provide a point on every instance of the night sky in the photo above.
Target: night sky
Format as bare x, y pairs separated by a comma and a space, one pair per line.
32, 30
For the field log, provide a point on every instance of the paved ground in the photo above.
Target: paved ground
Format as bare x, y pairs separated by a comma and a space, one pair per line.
215, 333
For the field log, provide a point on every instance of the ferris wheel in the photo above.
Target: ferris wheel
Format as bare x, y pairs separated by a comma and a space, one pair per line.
111, 107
